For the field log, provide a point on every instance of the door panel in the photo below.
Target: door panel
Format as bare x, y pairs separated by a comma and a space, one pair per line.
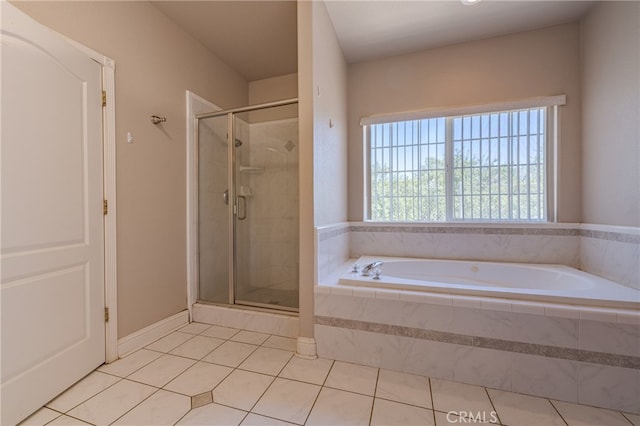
52, 248
266, 179
213, 210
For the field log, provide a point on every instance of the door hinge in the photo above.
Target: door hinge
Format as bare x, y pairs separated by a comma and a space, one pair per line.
106, 314
105, 207
104, 98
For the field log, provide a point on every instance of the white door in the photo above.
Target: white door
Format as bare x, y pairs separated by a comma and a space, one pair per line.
52, 264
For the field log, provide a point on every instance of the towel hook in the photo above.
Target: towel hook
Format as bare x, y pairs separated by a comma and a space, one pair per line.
157, 120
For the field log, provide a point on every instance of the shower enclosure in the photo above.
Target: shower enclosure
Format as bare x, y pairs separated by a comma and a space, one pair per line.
247, 165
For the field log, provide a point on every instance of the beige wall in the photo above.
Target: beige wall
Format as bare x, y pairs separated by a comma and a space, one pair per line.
274, 89
329, 121
322, 92
156, 62
305, 123
611, 114
529, 64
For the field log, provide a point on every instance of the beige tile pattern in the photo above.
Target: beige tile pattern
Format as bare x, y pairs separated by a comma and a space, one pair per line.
230, 353
40, 417
307, 370
267, 361
220, 332
393, 413
518, 409
213, 415
337, 407
161, 408
257, 420
250, 337
65, 420
633, 418
263, 383
83, 390
582, 415
241, 389
132, 362
108, 405
279, 342
194, 328
353, 378
405, 388
162, 371
169, 342
453, 396
199, 378
197, 347
288, 400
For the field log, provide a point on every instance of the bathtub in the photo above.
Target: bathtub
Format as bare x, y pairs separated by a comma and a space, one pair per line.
522, 281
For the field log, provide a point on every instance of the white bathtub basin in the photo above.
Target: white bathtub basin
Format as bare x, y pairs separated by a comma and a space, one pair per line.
551, 283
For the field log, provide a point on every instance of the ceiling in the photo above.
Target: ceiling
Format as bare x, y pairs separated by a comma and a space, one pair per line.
258, 38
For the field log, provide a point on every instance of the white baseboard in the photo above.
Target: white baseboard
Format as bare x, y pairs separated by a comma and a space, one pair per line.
150, 334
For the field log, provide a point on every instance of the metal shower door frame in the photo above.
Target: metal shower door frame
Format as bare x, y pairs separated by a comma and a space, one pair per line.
231, 178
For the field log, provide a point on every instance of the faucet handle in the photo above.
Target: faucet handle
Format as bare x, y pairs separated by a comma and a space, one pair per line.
355, 268
376, 273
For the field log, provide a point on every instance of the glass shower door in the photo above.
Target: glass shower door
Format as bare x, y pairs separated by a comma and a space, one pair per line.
214, 211
266, 220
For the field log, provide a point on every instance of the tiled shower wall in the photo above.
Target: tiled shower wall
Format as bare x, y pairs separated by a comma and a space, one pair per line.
586, 355
273, 204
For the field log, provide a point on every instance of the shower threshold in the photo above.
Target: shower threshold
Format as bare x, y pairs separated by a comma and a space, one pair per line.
269, 306
260, 320
253, 306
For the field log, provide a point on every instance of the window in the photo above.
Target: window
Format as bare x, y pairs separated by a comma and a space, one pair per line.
486, 166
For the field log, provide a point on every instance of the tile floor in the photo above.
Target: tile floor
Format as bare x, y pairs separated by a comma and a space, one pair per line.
210, 375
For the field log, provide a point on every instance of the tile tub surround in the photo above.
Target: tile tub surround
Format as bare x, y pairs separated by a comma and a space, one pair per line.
610, 252
568, 353
332, 249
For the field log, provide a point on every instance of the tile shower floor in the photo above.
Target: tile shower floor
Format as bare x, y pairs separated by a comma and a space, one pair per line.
210, 375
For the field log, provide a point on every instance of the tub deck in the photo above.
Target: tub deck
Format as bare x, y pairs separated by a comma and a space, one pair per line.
520, 281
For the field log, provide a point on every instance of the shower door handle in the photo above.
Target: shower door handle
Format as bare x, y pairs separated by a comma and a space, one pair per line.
242, 216
225, 197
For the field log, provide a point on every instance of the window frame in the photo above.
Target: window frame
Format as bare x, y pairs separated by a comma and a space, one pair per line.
551, 103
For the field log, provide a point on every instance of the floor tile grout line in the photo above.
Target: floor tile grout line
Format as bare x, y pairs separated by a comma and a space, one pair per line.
135, 406
237, 368
557, 411
315, 401
627, 418
322, 386
73, 417
395, 401
233, 369
433, 406
486, 391
183, 416
375, 392
260, 397
59, 414
84, 400
134, 371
